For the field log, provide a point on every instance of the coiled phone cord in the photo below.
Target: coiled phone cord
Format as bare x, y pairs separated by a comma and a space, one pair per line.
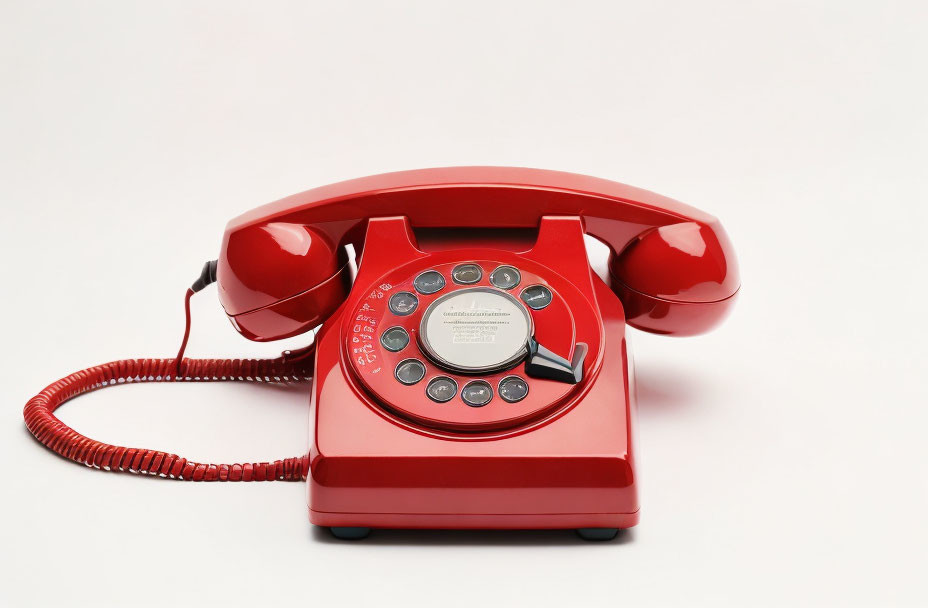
65, 441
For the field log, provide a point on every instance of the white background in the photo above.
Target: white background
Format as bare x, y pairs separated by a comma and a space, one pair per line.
782, 456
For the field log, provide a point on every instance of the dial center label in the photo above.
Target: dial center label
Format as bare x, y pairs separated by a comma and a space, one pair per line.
476, 329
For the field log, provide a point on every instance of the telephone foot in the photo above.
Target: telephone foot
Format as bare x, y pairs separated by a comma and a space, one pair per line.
350, 533
597, 533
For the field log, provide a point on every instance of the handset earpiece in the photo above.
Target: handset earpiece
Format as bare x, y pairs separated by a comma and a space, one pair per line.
279, 279
679, 279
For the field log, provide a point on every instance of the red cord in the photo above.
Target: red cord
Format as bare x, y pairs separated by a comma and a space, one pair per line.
183, 343
65, 441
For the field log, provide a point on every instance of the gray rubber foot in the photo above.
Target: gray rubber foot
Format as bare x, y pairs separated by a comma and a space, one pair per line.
350, 533
597, 533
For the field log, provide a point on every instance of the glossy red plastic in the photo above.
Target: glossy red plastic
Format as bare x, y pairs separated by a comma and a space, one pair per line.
284, 249
383, 454
559, 326
690, 289
568, 463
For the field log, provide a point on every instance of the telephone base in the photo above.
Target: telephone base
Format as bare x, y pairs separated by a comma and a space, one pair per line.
590, 526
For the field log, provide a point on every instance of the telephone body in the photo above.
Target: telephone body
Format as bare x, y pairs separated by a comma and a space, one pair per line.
475, 373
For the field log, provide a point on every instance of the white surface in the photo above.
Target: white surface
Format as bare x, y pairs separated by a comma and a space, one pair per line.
783, 456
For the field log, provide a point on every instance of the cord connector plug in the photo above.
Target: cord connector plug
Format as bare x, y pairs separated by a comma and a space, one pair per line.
207, 276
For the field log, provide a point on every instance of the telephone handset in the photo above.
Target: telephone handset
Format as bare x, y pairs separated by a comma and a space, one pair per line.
474, 373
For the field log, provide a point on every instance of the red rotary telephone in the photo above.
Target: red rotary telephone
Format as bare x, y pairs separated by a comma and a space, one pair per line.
475, 373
